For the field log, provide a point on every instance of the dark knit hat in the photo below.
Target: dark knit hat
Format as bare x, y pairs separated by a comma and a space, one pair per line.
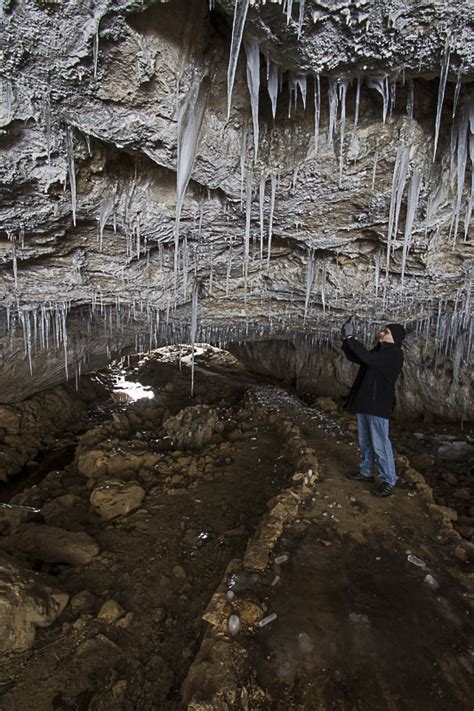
398, 332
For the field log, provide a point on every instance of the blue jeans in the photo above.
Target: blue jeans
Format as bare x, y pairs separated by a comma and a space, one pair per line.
375, 445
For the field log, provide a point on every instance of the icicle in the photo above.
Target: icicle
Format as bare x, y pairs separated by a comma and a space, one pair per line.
374, 167
72, 171
95, 51
261, 202
270, 220
410, 100
383, 87
333, 101
301, 19
272, 84
457, 91
398, 186
441, 90
47, 124
317, 110
310, 273
229, 267
190, 117
377, 272
342, 94
240, 15
14, 261
462, 151
243, 153
467, 219
252, 51
104, 215
412, 206
289, 10
248, 216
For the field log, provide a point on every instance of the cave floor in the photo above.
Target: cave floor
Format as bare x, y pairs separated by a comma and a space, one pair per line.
357, 628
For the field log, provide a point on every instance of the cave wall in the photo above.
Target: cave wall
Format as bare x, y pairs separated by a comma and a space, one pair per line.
110, 107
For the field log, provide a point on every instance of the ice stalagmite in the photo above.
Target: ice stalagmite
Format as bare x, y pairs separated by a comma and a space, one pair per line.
272, 84
317, 110
412, 205
270, 219
194, 318
240, 15
441, 91
72, 170
252, 51
190, 116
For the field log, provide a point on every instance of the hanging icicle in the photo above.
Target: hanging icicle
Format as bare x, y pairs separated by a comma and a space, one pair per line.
273, 181
441, 91
190, 117
272, 84
317, 110
194, 320
412, 206
72, 170
240, 15
252, 51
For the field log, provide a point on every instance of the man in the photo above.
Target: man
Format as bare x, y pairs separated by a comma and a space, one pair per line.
372, 398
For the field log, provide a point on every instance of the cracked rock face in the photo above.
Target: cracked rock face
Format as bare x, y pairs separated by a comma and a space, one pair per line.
353, 196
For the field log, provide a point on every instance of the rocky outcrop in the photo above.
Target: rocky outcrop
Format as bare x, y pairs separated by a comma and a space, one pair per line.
27, 602
358, 202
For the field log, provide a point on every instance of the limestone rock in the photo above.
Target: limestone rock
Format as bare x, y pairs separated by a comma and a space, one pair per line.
110, 611
55, 545
116, 498
193, 427
25, 604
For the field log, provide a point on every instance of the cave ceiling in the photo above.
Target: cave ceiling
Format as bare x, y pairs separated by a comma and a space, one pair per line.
230, 170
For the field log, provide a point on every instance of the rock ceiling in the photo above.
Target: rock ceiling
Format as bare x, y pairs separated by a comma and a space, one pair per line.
152, 162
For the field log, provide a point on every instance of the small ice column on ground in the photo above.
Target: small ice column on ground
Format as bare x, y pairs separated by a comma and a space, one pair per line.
412, 205
240, 15
72, 170
190, 117
252, 51
441, 91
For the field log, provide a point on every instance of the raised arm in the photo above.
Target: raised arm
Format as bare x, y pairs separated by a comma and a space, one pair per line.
349, 354
375, 358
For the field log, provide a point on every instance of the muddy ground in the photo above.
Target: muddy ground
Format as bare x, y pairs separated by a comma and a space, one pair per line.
358, 625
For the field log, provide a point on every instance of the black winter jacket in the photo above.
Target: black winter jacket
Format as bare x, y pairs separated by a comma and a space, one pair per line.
373, 391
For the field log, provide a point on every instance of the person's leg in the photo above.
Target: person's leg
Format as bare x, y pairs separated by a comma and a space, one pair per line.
365, 443
379, 430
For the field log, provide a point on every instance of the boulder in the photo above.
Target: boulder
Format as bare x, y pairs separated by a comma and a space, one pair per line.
116, 498
26, 602
55, 545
